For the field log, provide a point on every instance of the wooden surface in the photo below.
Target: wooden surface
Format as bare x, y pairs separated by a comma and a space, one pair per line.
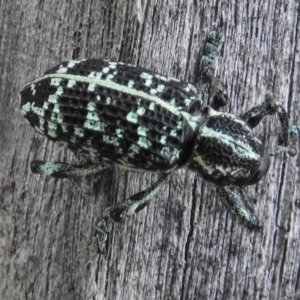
184, 245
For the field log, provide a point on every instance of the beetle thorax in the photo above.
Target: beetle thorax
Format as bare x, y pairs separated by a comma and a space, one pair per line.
226, 151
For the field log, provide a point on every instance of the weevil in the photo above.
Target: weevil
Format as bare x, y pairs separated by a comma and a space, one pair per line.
144, 121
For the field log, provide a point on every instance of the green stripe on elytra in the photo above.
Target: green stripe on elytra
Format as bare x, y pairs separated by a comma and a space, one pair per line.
110, 85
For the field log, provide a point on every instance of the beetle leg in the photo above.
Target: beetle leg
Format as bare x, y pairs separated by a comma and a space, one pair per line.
238, 203
254, 116
64, 170
132, 205
214, 42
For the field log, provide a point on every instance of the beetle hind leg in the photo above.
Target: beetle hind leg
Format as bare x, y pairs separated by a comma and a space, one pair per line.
77, 173
131, 206
64, 170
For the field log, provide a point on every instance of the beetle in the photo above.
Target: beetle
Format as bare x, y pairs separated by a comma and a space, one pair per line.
144, 121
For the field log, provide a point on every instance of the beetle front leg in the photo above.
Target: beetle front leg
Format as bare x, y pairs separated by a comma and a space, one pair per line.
254, 116
131, 206
214, 42
237, 201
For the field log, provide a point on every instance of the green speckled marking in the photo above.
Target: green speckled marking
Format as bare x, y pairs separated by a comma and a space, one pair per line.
152, 106
53, 98
98, 98
41, 125
141, 111
64, 128
79, 132
105, 70
166, 151
56, 108
120, 133
112, 65
55, 81
131, 83
92, 116
133, 150
74, 139
57, 117
163, 139
94, 125
160, 88
33, 90
62, 70
162, 77
179, 125
95, 76
173, 132
91, 87
38, 110
148, 78
144, 143
71, 83
110, 77
173, 102
72, 63
108, 100
52, 126
26, 108
153, 91
111, 140
187, 102
59, 91
41, 121
52, 133
142, 131
46, 105
132, 117
175, 153
91, 107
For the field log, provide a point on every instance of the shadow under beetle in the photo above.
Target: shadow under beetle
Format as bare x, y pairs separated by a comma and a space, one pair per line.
148, 122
